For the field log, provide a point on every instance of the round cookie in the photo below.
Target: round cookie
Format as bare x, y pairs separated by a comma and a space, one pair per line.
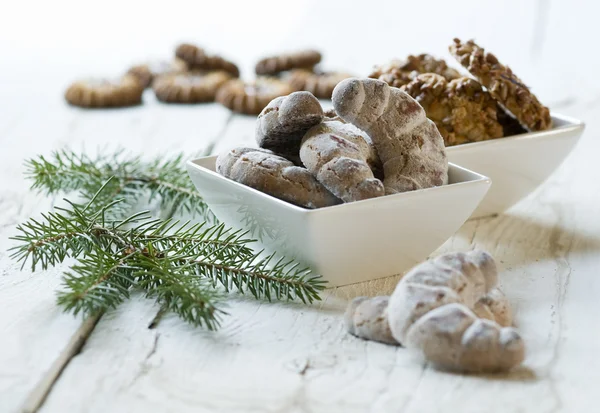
274, 175
284, 121
197, 59
320, 84
105, 93
276, 64
149, 71
251, 98
191, 87
503, 85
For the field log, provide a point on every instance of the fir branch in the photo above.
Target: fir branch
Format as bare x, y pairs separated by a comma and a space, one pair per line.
177, 263
64, 172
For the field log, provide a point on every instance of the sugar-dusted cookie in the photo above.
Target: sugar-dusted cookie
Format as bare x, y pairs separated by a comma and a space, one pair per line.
104, 93
409, 145
284, 121
340, 156
276, 64
149, 71
461, 109
274, 175
320, 84
503, 85
250, 98
399, 72
197, 59
189, 87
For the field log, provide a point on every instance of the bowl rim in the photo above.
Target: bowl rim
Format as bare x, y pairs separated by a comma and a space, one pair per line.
572, 125
477, 179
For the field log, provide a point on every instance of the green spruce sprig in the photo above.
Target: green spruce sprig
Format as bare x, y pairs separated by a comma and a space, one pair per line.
127, 178
181, 264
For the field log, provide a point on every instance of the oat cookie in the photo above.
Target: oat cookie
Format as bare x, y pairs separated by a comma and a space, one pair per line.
399, 72
276, 64
197, 59
261, 169
503, 85
149, 71
251, 98
105, 93
282, 124
320, 84
460, 108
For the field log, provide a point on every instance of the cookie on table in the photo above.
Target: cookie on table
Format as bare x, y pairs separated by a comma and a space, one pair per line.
461, 109
149, 71
503, 85
197, 59
251, 98
105, 93
273, 65
320, 84
398, 73
190, 87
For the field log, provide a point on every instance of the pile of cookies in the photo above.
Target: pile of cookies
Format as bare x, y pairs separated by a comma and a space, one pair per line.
194, 76
376, 141
494, 104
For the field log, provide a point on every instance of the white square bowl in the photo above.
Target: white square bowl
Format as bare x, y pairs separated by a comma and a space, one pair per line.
519, 164
351, 242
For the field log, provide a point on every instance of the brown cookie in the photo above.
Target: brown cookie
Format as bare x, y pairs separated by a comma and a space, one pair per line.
460, 108
274, 175
105, 93
503, 85
284, 121
251, 98
190, 87
149, 71
399, 72
320, 84
197, 59
276, 64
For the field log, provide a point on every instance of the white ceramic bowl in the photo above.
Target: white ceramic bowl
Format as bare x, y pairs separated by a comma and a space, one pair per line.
519, 164
351, 242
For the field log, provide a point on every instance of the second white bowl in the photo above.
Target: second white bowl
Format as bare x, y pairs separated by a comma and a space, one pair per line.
519, 164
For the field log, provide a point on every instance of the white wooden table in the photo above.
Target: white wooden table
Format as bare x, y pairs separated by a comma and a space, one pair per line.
289, 357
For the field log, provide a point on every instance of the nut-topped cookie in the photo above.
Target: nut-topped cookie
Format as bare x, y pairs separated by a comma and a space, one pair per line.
460, 108
252, 97
320, 84
503, 85
189, 87
147, 72
273, 65
198, 59
105, 93
400, 72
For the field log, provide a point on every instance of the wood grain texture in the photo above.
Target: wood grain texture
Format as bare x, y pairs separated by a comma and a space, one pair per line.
277, 357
